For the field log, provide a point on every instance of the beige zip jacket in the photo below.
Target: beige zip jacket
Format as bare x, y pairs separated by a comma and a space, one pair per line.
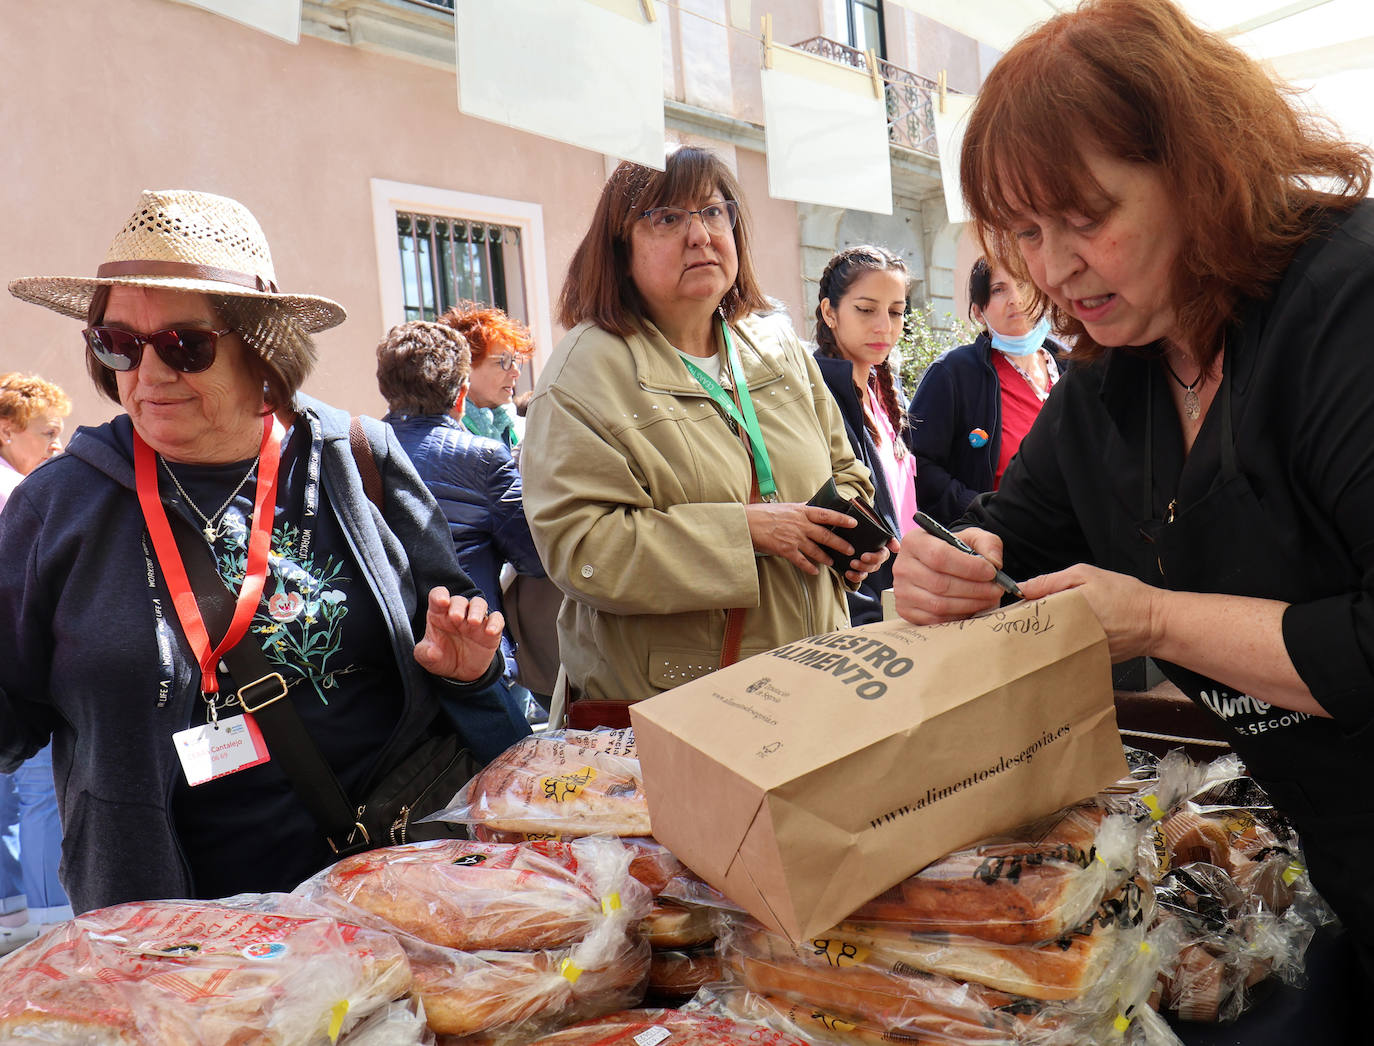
635, 489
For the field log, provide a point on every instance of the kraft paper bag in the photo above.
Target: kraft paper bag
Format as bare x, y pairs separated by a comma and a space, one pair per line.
805, 781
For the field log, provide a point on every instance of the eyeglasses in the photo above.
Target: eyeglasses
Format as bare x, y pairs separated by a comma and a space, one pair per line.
671, 221
507, 360
189, 350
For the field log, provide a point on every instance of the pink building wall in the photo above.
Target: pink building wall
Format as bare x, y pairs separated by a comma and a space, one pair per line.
106, 97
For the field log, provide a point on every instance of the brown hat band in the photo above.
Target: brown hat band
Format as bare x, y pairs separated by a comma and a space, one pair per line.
185, 270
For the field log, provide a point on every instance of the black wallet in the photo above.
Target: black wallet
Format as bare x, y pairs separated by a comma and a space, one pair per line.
870, 535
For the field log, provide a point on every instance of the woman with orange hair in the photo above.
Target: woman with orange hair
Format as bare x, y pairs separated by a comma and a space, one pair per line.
500, 347
1204, 474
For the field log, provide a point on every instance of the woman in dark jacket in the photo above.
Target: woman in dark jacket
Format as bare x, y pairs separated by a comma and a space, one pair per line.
858, 320
423, 371
978, 401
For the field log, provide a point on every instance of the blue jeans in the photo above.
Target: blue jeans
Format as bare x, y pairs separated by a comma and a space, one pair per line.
40, 839
11, 876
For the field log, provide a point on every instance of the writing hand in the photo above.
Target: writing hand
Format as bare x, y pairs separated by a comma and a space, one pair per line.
934, 582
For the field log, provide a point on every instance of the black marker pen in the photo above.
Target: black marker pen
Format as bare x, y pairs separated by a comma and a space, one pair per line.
933, 528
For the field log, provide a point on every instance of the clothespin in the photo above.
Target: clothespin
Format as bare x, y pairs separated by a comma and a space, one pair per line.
768, 41
943, 87
650, 15
872, 58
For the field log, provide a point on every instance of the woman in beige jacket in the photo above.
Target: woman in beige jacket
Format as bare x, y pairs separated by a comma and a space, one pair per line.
666, 495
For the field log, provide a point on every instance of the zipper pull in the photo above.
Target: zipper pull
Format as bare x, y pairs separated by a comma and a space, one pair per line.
1169, 512
400, 826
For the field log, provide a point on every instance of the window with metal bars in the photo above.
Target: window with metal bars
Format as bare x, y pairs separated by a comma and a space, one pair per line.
445, 260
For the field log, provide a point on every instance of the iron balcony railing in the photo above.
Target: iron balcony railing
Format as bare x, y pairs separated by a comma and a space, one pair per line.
911, 99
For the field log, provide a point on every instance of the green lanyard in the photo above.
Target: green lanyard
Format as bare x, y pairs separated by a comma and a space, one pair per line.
748, 422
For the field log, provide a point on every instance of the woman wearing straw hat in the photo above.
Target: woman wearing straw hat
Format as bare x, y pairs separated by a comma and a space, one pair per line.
218, 459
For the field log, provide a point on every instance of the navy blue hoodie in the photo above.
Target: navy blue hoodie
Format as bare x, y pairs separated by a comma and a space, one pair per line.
83, 664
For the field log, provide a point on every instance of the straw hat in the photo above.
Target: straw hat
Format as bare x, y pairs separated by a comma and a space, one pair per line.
186, 241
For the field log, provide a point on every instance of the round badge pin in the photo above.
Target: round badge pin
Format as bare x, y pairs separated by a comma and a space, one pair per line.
977, 438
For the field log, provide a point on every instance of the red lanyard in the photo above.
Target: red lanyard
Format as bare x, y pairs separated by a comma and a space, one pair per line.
168, 556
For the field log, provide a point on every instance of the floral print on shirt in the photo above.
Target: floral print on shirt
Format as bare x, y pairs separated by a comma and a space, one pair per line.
300, 620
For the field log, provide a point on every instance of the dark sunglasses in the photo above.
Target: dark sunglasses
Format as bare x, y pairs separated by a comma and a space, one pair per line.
189, 350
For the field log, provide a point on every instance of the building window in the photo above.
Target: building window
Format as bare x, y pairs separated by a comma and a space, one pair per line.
437, 247
445, 260
865, 26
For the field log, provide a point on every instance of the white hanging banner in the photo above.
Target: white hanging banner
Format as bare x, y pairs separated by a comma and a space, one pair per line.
586, 72
279, 18
949, 139
995, 22
825, 126
739, 14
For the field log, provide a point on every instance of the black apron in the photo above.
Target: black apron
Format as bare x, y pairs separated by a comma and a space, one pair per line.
1215, 535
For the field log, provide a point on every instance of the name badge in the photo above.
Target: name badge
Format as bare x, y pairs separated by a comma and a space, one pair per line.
208, 752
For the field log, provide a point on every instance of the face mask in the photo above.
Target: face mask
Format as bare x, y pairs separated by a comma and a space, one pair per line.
1024, 344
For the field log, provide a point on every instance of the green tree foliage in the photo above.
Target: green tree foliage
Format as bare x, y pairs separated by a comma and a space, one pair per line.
924, 337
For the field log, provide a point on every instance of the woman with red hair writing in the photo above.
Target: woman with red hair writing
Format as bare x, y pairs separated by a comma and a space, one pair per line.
1204, 474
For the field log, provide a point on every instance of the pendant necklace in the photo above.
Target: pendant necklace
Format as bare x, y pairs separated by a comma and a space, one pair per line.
211, 528
1192, 407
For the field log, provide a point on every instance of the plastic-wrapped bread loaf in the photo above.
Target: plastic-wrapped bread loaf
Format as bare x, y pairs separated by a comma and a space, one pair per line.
672, 925
1035, 885
468, 895
507, 940
853, 994
917, 1005
1067, 968
466, 993
677, 974
560, 784
184, 973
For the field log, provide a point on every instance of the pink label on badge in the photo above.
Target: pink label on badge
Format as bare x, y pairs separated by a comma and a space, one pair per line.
208, 752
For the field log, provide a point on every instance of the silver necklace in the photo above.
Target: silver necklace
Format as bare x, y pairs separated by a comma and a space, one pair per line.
211, 528
1192, 407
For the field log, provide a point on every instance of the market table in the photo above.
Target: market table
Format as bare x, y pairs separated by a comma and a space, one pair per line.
1153, 714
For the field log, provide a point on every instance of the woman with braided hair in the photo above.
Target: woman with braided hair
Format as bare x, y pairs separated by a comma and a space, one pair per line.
858, 320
